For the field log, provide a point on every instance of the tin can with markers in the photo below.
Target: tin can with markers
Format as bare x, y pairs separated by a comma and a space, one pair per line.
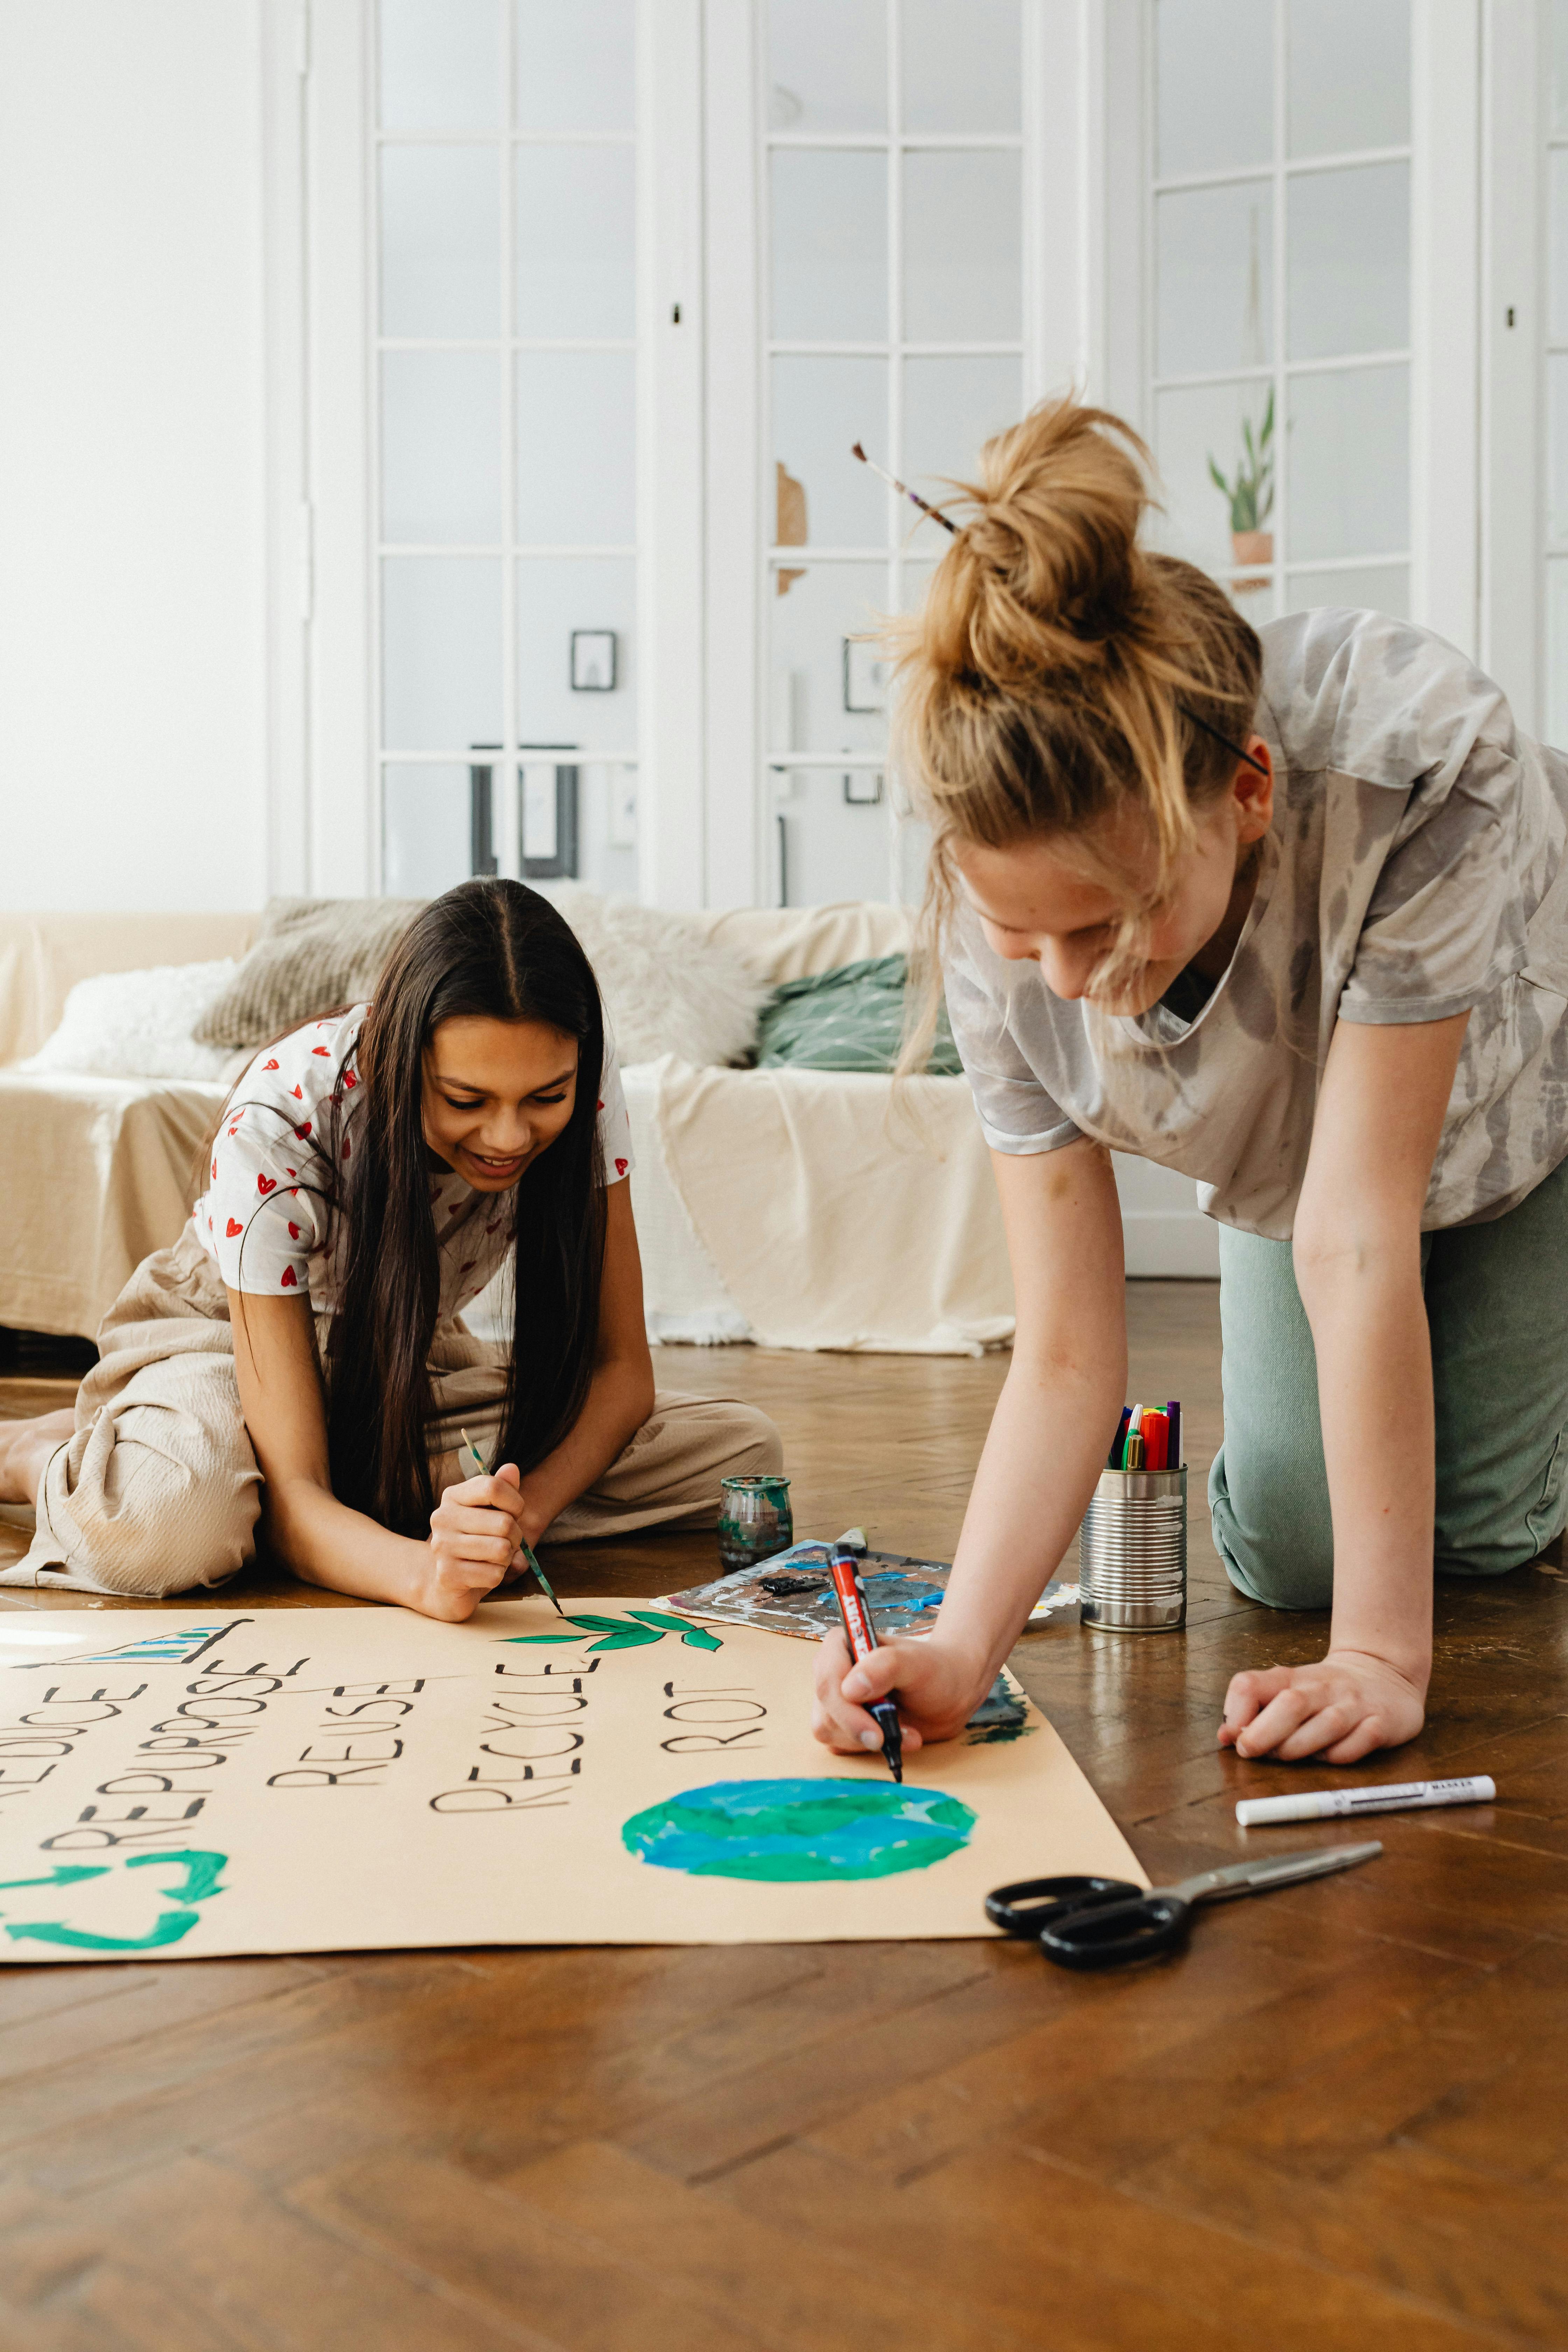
1132, 1552
754, 1521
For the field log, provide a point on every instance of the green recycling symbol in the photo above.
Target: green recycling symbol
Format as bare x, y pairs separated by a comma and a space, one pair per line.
201, 1873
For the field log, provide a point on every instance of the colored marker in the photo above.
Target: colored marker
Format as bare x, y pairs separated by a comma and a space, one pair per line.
1174, 1449
860, 1634
1134, 1450
1393, 1797
1113, 1459
1155, 1439
526, 1550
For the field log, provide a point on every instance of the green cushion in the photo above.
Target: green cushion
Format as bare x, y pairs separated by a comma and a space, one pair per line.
852, 1019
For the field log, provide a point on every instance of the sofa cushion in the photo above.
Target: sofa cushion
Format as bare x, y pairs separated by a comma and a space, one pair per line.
314, 955
137, 1024
667, 988
852, 1019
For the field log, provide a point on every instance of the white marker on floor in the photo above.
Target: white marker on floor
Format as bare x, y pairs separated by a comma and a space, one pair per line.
1395, 1797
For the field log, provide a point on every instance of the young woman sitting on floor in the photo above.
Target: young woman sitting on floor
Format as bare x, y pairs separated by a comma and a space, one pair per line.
1289, 913
299, 1356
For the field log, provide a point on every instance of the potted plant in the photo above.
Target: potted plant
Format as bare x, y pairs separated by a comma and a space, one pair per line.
1250, 497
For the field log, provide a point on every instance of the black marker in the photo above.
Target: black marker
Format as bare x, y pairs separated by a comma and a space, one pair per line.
861, 1635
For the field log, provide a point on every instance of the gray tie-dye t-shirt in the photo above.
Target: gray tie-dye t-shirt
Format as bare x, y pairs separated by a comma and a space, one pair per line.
1416, 868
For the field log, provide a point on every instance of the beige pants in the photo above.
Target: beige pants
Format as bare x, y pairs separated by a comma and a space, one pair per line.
158, 1491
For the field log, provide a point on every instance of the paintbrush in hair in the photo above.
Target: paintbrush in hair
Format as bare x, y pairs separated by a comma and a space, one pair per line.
526, 1550
903, 489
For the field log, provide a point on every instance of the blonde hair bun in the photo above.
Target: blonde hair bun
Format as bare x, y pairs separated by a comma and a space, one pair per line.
1048, 571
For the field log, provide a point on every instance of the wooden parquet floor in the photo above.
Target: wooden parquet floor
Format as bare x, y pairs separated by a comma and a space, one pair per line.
1340, 2119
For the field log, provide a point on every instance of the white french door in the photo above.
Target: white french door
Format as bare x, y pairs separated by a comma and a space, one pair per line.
503, 223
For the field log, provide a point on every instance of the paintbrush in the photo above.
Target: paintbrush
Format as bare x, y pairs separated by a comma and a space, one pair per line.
526, 1550
903, 489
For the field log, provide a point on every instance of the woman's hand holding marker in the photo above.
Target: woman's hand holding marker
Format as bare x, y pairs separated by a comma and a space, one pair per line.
936, 1689
476, 1535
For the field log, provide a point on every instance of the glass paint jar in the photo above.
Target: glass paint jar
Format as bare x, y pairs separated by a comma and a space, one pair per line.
754, 1521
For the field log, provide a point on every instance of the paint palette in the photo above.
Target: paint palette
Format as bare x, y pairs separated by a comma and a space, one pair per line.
791, 1593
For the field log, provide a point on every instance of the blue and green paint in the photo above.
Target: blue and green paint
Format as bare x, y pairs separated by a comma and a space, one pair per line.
805, 1828
180, 1646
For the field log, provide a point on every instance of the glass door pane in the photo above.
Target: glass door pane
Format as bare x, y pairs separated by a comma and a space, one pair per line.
894, 232
1281, 298
506, 419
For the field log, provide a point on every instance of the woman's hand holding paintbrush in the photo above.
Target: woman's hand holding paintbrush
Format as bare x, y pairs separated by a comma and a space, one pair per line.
479, 1536
476, 1538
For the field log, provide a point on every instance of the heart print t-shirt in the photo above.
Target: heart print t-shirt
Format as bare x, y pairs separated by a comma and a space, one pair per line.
289, 1126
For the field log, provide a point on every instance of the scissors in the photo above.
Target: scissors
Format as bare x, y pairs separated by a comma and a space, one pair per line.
1105, 1923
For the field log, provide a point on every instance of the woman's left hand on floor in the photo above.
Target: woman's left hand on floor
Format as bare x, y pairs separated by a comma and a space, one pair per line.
1340, 1709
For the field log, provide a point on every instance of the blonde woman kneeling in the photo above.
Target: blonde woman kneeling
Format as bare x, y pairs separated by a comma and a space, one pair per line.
1288, 911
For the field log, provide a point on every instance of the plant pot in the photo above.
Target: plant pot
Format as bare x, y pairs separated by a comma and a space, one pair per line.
1252, 546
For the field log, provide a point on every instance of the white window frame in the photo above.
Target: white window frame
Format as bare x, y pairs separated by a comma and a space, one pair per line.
741, 832
1444, 352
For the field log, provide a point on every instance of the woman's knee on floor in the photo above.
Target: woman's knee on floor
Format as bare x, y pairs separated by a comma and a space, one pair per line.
756, 1449
137, 1521
1273, 1533
160, 1557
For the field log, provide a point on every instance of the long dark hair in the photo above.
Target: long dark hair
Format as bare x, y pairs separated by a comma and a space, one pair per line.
497, 951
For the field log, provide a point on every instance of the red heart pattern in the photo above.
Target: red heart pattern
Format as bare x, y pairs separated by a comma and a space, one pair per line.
269, 1065
233, 1227
298, 1094
350, 1079
289, 1281
293, 1231
325, 1051
303, 1131
621, 1167
265, 1184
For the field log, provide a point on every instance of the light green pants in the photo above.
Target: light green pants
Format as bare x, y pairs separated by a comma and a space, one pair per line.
1497, 1306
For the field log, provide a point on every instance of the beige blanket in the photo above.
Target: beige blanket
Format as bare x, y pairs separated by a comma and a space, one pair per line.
836, 1222
95, 1175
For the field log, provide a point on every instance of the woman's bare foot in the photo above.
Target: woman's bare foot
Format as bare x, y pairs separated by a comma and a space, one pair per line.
25, 1448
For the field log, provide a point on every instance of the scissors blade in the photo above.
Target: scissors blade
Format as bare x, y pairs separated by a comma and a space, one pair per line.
1278, 1870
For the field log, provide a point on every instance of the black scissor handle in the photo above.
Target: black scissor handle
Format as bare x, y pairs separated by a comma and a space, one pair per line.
1114, 1934
1024, 1907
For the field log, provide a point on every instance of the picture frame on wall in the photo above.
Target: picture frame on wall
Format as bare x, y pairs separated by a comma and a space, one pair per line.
593, 661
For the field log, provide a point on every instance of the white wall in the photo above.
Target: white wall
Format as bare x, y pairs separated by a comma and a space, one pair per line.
133, 689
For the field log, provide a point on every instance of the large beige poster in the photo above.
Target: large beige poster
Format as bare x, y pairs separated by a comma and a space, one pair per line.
327, 1780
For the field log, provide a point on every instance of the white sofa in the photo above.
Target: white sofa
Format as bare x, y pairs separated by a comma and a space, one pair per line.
799, 1208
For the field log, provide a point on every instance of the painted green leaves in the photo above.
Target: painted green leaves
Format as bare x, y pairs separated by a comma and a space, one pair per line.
624, 1633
